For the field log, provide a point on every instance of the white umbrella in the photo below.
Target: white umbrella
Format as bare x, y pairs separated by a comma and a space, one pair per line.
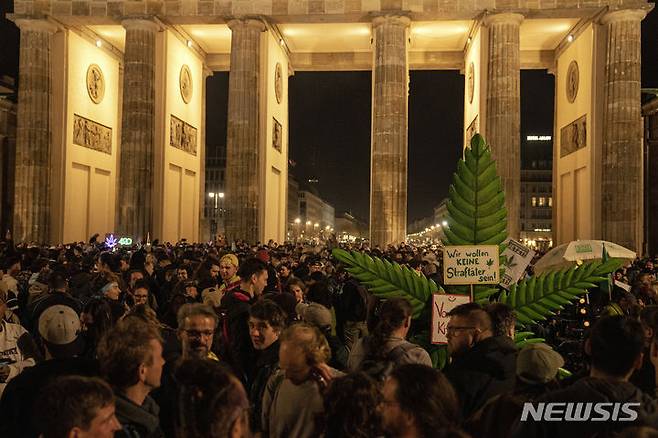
569, 253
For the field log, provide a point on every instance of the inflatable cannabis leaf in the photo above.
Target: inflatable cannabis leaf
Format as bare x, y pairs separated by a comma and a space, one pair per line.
477, 216
387, 280
476, 203
538, 297
476, 208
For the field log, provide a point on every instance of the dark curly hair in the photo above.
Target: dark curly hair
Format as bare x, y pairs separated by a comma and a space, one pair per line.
392, 315
350, 406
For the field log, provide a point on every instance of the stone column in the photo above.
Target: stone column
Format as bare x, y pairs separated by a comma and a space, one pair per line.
7, 163
621, 157
33, 133
650, 113
135, 197
503, 109
388, 171
243, 165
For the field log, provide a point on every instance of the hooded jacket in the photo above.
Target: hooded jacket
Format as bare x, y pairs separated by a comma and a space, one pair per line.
486, 370
590, 389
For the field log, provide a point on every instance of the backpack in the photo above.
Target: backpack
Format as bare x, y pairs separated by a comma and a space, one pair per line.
223, 320
380, 369
354, 301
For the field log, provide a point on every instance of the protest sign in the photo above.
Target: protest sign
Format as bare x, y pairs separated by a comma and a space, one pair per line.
467, 264
441, 305
518, 257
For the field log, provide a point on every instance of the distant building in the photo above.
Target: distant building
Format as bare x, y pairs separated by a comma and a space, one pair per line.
537, 191
313, 209
430, 227
214, 207
293, 199
348, 227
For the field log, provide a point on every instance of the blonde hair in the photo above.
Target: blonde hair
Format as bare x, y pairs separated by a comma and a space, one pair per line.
310, 340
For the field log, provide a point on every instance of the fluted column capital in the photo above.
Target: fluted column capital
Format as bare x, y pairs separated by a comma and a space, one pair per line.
252, 23
624, 15
140, 24
36, 25
503, 18
393, 20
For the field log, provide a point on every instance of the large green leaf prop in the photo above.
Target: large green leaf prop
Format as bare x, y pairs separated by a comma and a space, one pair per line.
386, 280
476, 216
476, 203
538, 297
476, 208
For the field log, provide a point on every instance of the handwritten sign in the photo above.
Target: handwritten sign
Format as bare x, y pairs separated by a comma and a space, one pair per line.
518, 257
471, 265
442, 304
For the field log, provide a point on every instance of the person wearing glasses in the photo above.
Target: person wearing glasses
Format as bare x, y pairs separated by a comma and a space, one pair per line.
483, 359
196, 331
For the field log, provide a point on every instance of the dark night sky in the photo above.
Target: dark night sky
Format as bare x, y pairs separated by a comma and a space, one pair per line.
330, 122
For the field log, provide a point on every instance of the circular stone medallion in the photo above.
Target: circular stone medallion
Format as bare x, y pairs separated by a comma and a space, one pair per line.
95, 83
471, 82
572, 81
185, 82
278, 82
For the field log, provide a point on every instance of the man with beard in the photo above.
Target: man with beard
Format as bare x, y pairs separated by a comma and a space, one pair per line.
483, 355
196, 330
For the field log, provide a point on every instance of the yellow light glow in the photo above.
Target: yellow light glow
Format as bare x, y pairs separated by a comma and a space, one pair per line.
439, 30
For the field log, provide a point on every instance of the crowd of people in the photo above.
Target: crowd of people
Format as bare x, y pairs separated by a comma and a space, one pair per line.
212, 340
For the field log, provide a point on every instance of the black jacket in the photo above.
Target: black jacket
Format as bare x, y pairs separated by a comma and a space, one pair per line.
266, 363
486, 370
237, 349
590, 389
19, 397
137, 421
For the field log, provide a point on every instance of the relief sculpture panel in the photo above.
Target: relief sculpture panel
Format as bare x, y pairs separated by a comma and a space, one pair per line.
182, 135
92, 135
573, 136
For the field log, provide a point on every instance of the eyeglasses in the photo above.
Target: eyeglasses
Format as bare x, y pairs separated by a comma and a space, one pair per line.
456, 329
199, 333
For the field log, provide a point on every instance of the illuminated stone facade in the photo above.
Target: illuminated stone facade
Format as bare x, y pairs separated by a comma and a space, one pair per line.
154, 57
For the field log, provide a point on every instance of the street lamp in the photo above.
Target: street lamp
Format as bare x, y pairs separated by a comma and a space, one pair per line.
444, 223
220, 194
298, 220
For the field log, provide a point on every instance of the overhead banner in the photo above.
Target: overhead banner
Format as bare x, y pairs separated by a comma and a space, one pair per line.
442, 304
465, 264
518, 257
